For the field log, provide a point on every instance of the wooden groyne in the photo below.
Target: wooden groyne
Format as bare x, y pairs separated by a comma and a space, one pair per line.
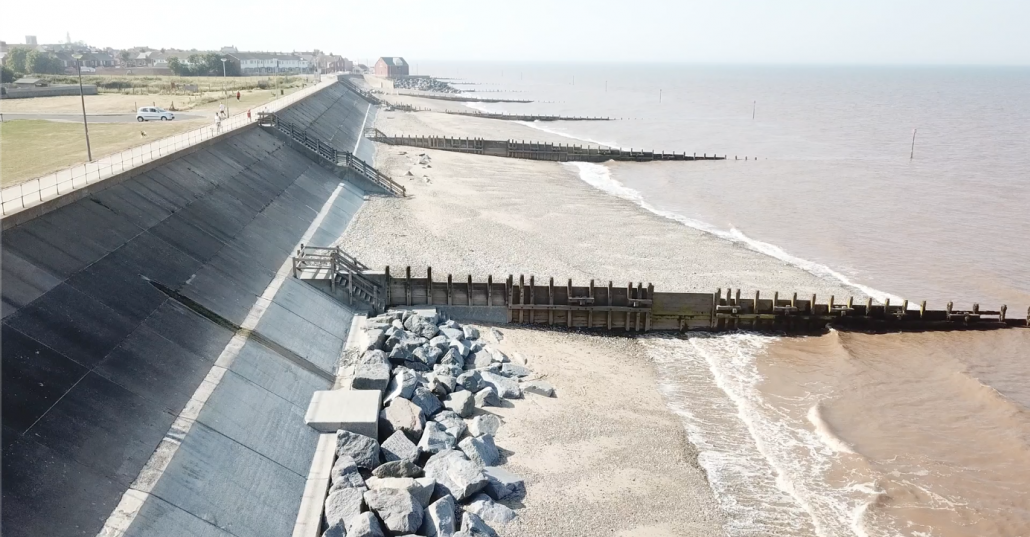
634, 307
533, 150
490, 115
458, 98
639, 308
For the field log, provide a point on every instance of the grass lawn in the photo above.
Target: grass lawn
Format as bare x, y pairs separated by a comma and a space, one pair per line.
31, 148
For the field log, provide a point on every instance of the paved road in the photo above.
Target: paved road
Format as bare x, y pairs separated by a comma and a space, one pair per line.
93, 118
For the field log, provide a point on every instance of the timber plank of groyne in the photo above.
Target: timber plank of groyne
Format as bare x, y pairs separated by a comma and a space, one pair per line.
534, 150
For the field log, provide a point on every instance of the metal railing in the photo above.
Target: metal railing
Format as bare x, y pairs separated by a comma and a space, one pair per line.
331, 154
33, 192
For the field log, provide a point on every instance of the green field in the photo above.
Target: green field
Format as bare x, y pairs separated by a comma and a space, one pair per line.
31, 148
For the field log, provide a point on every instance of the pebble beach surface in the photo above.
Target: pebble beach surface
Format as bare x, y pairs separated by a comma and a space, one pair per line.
605, 456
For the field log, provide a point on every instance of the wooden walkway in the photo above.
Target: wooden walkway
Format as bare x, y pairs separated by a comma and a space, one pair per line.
533, 150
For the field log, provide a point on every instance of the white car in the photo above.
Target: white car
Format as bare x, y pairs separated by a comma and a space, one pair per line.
153, 113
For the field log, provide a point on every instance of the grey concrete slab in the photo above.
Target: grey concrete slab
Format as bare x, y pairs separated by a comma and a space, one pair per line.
183, 233
265, 368
223, 482
34, 378
315, 307
302, 337
116, 283
23, 281
158, 260
260, 420
72, 324
46, 493
155, 367
189, 330
104, 427
158, 517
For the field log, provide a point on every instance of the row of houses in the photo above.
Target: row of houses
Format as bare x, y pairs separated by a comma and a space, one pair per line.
155, 61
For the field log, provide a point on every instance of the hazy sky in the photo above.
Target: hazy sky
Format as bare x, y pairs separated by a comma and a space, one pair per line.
719, 31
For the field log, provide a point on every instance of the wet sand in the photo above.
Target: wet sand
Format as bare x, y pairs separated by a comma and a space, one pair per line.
607, 456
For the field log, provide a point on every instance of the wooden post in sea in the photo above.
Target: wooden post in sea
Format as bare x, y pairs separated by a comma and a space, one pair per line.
912, 153
429, 286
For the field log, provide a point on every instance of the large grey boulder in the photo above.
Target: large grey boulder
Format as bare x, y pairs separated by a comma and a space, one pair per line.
402, 415
376, 338
452, 333
372, 357
438, 520
514, 370
487, 397
343, 504
402, 384
454, 358
481, 450
445, 384
484, 424
462, 402
435, 438
452, 422
371, 377
489, 511
427, 330
440, 342
498, 356
455, 474
479, 360
428, 402
402, 468
461, 347
364, 525
397, 509
335, 530
345, 473
471, 381
411, 322
470, 332
399, 448
364, 450
423, 491
538, 387
476, 345
506, 387
475, 527
501, 483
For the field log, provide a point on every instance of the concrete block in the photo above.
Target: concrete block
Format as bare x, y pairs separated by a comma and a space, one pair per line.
356, 411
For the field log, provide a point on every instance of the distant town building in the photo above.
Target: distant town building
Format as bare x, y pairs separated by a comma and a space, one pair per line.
30, 40
268, 63
228, 50
391, 66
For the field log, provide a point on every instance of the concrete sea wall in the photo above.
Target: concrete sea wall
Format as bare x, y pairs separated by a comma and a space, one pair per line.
155, 315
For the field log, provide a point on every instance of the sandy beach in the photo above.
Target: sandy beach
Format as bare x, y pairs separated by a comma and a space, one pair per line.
607, 456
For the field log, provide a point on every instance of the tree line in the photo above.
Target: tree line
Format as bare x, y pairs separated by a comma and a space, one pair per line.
209, 64
21, 60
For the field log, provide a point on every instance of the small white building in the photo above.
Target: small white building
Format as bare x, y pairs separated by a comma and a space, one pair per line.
268, 63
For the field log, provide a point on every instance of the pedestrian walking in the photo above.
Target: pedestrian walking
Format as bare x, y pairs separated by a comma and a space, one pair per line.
248, 115
221, 110
237, 96
218, 123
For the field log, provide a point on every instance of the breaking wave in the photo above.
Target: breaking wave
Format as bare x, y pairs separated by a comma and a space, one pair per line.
600, 177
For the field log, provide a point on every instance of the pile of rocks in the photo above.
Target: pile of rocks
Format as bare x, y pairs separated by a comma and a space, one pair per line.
423, 83
433, 470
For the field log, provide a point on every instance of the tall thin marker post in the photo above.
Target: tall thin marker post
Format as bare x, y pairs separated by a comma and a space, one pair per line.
85, 124
754, 107
659, 95
912, 153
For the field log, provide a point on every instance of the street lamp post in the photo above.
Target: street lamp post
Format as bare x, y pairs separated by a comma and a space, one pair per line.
224, 94
78, 67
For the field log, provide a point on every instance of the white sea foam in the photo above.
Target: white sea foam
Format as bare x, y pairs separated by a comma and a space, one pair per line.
826, 434
600, 177
538, 125
767, 468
